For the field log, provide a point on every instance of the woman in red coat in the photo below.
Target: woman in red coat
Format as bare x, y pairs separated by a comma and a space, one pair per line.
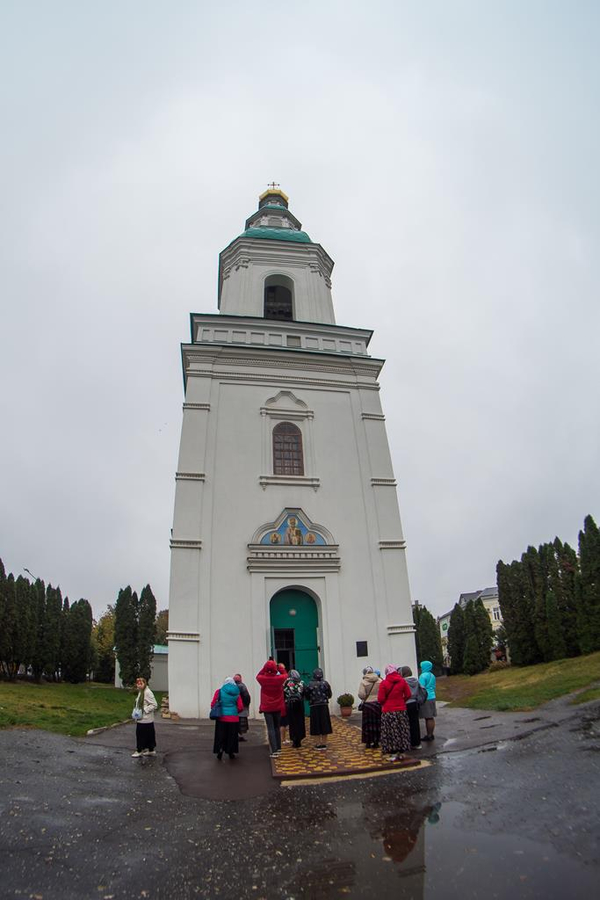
395, 731
271, 703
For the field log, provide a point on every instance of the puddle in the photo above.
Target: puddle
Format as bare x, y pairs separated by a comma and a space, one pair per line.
433, 852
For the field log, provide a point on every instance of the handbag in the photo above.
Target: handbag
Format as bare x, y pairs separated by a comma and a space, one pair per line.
216, 710
361, 705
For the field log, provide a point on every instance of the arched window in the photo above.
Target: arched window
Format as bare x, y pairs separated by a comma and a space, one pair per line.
288, 458
279, 298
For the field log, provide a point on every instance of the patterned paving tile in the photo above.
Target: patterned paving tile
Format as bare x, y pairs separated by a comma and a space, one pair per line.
345, 755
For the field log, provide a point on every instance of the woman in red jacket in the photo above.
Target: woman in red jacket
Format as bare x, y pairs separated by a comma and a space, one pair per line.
271, 702
395, 731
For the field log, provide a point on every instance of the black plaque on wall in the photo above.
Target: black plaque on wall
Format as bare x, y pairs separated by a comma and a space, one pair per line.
362, 648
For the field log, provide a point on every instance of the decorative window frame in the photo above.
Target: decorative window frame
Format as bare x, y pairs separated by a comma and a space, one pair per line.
286, 407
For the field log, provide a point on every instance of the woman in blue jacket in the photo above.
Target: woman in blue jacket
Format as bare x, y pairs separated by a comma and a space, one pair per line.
428, 709
227, 725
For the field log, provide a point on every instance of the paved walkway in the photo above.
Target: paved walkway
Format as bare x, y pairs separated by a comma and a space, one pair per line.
185, 748
345, 755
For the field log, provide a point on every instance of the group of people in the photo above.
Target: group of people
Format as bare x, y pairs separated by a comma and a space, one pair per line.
282, 696
392, 709
393, 706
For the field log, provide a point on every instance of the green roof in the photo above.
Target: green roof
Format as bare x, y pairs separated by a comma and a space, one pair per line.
277, 234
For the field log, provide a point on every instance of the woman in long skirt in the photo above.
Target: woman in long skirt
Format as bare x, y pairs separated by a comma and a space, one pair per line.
318, 694
226, 726
293, 692
395, 732
371, 708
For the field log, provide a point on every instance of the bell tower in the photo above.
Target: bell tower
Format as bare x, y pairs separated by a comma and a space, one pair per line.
286, 536
274, 270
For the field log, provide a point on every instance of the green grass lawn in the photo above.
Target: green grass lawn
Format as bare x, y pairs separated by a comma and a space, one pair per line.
64, 708
523, 688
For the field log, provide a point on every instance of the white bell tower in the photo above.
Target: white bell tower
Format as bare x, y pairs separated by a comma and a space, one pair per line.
286, 537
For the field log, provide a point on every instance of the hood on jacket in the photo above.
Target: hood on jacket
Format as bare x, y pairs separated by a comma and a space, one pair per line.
371, 678
318, 674
426, 666
230, 689
270, 667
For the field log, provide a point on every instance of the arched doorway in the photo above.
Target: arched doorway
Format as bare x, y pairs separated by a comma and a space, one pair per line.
295, 631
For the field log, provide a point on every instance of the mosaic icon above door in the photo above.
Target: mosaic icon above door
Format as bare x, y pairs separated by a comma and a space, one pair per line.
293, 528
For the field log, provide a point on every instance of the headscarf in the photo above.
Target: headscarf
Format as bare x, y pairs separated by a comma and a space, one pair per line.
406, 671
318, 674
367, 670
294, 675
229, 680
389, 669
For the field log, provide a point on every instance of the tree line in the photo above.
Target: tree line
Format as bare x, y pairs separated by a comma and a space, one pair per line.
470, 638
550, 599
43, 635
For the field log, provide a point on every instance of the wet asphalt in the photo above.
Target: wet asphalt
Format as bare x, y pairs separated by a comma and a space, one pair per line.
508, 808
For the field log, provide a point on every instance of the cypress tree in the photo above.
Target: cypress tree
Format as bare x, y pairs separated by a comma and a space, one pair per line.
146, 631
429, 642
8, 629
485, 634
39, 604
567, 594
456, 640
4, 615
52, 627
126, 635
589, 561
534, 579
24, 630
77, 641
472, 655
64, 615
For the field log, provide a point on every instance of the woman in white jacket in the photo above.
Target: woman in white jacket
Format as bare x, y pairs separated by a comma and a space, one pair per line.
143, 713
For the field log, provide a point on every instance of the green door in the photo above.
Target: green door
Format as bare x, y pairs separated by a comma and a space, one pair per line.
295, 631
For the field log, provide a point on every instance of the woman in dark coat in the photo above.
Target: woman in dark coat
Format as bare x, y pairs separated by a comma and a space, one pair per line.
318, 694
226, 726
293, 693
245, 695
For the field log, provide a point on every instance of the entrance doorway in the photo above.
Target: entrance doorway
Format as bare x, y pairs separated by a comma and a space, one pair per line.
295, 632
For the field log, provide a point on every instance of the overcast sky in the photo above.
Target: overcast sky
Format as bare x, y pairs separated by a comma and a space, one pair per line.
445, 154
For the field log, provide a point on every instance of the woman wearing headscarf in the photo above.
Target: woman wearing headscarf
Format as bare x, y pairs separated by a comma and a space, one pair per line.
395, 732
245, 695
318, 693
226, 726
428, 710
283, 722
271, 702
371, 708
293, 692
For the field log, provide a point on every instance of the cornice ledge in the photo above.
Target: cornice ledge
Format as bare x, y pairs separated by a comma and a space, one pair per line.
296, 480
374, 417
190, 476
183, 636
176, 544
401, 629
205, 406
392, 545
388, 482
